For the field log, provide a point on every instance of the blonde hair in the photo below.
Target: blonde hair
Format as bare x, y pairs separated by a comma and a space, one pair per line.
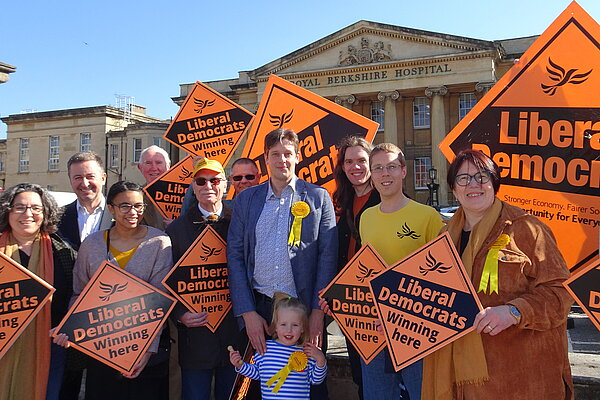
283, 301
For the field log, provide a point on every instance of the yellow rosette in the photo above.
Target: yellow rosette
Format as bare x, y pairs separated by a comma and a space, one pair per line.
489, 276
300, 209
297, 362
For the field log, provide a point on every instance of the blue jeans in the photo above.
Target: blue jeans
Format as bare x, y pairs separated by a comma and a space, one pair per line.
196, 383
381, 385
58, 356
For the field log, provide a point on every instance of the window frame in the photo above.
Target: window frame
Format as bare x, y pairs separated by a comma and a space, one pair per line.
378, 114
23, 155
421, 175
54, 154
463, 111
421, 113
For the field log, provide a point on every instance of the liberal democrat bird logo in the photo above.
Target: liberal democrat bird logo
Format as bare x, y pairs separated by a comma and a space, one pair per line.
562, 77
407, 232
202, 104
1, 268
209, 251
433, 266
110, 290
185, 173
278, 120
365, 272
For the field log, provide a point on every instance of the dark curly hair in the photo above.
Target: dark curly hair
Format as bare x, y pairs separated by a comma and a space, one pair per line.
51, 211
343, 197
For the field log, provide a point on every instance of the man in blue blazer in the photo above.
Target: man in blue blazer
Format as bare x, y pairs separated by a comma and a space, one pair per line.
264, 253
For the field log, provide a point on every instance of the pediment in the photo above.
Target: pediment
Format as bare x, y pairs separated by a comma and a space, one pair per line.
365, 43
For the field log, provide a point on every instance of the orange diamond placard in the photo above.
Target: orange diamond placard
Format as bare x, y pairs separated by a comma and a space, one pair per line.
208, 124
168, 190
584, 287
540, 123
116, 317
199, 279
351, 302
425, 301
319, 123
22, 297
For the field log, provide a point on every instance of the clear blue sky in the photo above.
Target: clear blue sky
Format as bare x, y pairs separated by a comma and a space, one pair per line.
81, 53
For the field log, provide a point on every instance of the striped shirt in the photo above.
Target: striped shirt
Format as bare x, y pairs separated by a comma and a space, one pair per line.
297, 384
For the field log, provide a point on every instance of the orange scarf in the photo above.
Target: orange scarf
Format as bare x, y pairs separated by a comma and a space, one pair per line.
24, 368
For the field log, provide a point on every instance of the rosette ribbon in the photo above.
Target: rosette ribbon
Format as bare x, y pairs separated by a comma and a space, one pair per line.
489, 276
300, 210
297, 362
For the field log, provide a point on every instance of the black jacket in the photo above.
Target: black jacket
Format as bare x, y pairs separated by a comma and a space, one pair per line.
344, 229
199, 348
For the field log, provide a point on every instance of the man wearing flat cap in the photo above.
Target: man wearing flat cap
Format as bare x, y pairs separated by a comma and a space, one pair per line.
203, 355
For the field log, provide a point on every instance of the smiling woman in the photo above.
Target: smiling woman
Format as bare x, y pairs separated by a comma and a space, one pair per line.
28, 218
517, 269
146, 253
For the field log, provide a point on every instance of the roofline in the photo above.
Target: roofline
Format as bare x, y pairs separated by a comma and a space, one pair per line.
84, 111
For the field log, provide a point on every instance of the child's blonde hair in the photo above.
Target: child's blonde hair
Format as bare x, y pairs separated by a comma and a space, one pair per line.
283, 301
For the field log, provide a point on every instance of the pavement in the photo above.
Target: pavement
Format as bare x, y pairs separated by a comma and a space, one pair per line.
584, 355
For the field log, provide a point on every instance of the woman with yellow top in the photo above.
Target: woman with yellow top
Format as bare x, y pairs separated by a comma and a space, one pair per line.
519, 347
144, 252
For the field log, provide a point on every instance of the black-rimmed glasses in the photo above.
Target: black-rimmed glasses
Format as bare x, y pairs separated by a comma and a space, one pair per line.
480, 177
22, 209
126, 207
237, 178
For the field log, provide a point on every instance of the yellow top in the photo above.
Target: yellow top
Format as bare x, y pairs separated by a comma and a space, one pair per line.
396, 235
122, 257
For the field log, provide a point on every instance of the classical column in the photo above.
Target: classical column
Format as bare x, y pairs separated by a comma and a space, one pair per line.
484, 87
390, 124
346, 101
438, 132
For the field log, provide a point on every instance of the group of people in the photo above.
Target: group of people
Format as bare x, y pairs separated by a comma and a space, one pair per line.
286, 240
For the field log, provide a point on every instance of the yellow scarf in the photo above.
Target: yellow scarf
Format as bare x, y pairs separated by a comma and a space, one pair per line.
462, 361
25, 366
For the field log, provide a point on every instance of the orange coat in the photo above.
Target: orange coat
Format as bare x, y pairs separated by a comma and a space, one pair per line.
528, 361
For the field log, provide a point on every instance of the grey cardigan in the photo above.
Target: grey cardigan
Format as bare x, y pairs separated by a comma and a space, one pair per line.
151, 262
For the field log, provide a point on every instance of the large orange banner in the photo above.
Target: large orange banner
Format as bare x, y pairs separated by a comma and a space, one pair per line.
319, 123
208, 124
541, 124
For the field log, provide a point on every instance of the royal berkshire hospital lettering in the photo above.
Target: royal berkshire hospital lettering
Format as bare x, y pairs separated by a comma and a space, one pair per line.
396, 73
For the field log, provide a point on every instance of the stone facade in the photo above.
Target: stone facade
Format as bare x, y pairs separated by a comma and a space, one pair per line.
415, 83
5, 69
39, 144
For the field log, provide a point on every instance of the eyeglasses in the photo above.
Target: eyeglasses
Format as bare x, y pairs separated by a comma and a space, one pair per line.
213, 181
390, 168
237, 178
22, 209
126, 207
480, 177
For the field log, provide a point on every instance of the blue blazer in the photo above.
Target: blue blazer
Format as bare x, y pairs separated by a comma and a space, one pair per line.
314, 262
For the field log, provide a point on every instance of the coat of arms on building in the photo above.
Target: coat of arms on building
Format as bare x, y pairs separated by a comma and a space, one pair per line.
366, 53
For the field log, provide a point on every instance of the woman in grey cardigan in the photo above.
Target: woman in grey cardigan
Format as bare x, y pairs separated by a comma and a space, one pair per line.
146, 253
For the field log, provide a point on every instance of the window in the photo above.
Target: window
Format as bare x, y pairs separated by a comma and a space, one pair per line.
466, 101
53, 154
137, 150
157, 141
422, 167
421, 113
24, 155
85, 142
377, 113
114, 156
2, 155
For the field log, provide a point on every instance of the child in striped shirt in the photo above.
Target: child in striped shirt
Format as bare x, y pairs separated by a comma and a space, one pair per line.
306, 363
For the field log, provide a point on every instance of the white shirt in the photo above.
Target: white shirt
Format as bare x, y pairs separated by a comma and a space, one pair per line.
89, 223
205, 213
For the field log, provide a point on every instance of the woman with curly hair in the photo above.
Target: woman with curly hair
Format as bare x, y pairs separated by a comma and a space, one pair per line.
33, 367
